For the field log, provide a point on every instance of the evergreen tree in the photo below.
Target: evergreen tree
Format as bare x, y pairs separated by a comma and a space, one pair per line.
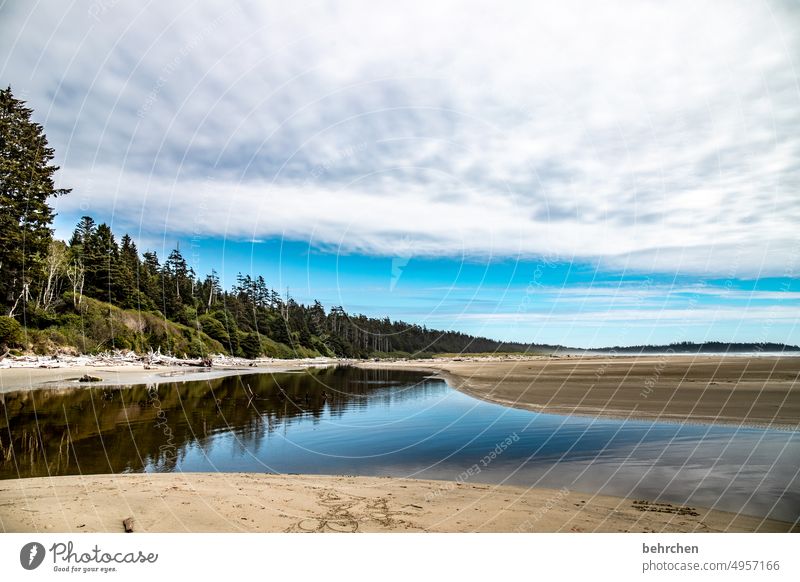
101, 261
126, 285
177, 287
150, 278
82, 233
26, 183
210, 291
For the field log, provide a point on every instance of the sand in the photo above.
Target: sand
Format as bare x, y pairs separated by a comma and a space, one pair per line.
746, 391
24, 378
236, 502
738, 390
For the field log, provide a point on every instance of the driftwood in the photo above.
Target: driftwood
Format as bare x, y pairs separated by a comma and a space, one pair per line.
115, 358
147, 361
201, 363
157, 358
127, 523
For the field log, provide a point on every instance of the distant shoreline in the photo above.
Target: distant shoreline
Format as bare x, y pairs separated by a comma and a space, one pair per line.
742, 354
785, 354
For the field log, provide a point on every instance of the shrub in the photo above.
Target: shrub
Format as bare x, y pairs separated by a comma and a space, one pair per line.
251, 345
40, 319
10, 332
215, 329
187, 316
197, 349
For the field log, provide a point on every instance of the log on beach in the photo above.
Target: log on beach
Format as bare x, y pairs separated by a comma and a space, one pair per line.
127, 523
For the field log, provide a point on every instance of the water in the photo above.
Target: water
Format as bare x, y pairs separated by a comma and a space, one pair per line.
399, 423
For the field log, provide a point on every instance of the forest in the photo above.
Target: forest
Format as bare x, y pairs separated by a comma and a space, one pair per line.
97, 293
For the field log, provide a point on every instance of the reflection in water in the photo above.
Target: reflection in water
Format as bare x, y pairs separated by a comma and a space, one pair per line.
106, 430
379, 422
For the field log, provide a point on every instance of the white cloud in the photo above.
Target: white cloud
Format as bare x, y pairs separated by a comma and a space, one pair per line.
641, 135
645, 290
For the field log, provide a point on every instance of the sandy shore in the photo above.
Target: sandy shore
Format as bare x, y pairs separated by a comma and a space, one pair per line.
759, 391
751, 391
23, 378
235, 502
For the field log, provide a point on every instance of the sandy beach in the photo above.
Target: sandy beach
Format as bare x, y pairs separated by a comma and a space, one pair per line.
23, 378
747, 391
236, 502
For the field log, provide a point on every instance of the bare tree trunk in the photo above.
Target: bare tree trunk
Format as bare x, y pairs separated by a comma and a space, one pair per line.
75, 273
56, 258
23, 294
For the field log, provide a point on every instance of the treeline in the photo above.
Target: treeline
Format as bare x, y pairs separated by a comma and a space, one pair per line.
704, 347
249, 320
95, 293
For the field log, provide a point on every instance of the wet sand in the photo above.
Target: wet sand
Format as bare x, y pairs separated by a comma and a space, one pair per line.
236, 502
747, 391
757, 391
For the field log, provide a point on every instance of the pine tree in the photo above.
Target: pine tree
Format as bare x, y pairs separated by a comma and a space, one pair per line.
126, 285
178, 287
84, 230
26, 183
211, 291
101, 260
150, 279
76, 270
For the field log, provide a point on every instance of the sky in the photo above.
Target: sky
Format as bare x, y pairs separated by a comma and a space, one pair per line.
578, 172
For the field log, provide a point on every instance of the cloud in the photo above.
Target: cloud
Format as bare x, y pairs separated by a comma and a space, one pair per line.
646, 291
635, 135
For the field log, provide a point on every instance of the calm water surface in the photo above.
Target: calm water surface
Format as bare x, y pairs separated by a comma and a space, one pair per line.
380, 422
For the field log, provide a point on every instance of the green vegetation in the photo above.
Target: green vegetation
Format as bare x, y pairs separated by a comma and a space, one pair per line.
10, 332
26, 183
95, 294
93, 326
